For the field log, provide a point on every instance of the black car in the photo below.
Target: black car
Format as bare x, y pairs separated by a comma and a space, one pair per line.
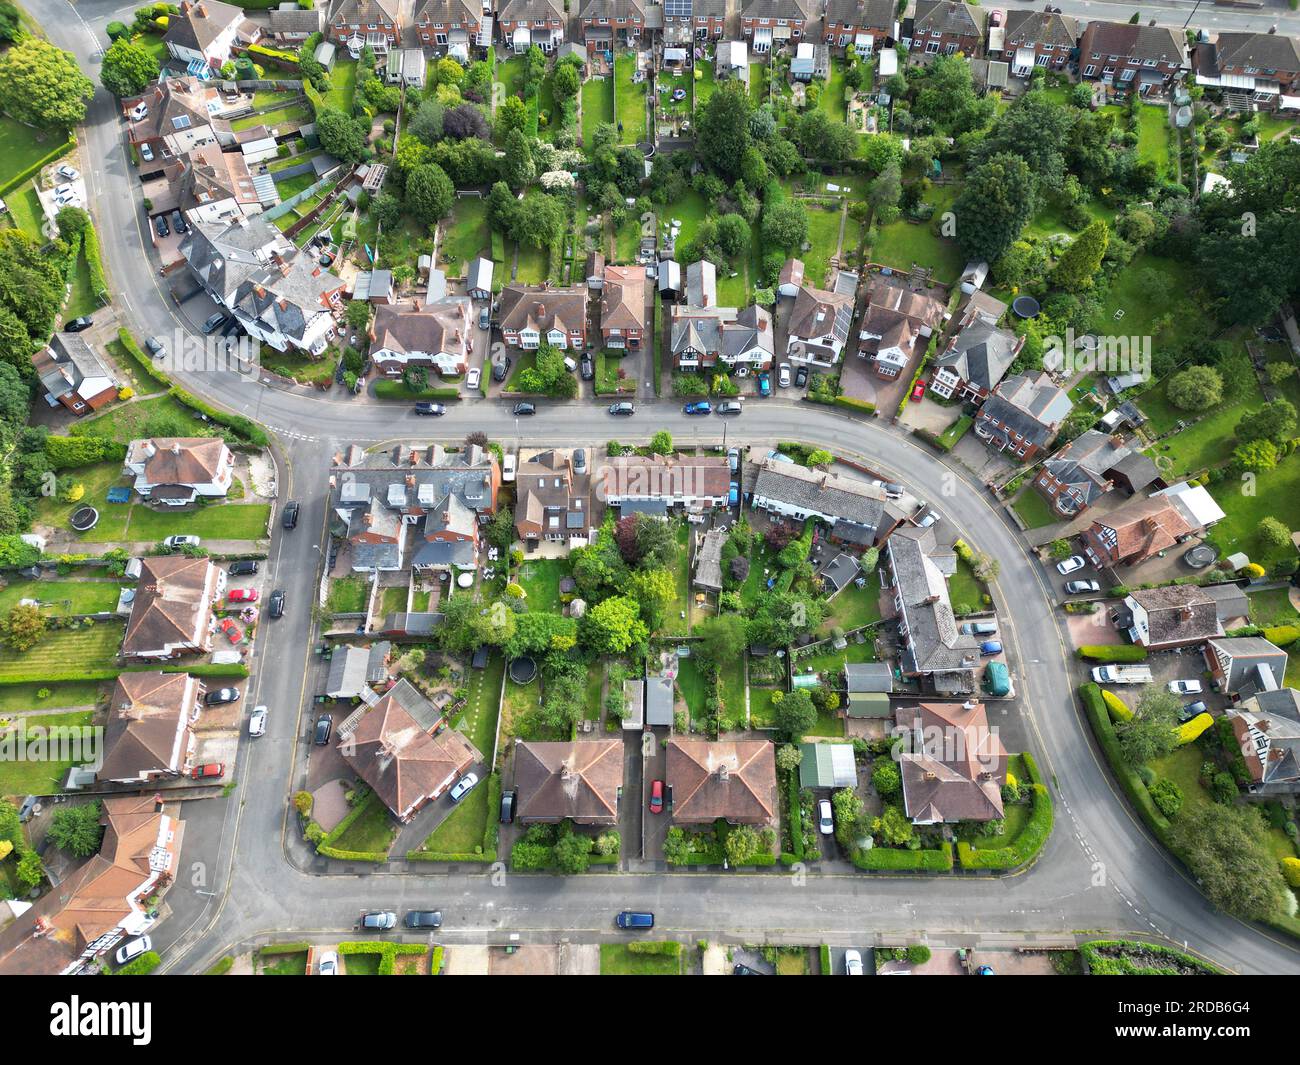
154, 346
524, 409
324, 726
160, 226
213, 323
178, 222
243, 569
289, 519
277, 603
437, 410
423, 919
745, 970
500, 369
78, 324
221, 696
507, 807
624, 409
801, 376
588, 368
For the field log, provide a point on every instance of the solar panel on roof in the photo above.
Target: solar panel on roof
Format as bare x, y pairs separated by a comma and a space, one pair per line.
677, 8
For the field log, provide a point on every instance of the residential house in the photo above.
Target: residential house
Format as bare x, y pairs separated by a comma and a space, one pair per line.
1082, 471
1194, 503
222, 256
1037, 38
205, 31
858, 513
437, 336
171, 614
74, 375
403, 749
708, 561
290, 305
441, 25
1242, 666
611, 24
693, 482
216, 186
790, 279
576, 781
552, 502
1264, 65
956, 765
525, 23
622, 307
355, 668
868, 25
182, 114
1267, 728
895, 321
1176, 615
914, 577
1134, 532
530, 315
769, 24
289, 24
361, 24
811, 62
704, 337
432, 497
735, 781
818, 326
687, 20
978, 355
944, 27
177, 470
1125, 54
106, 899
149, 734
827, 765
1023, 415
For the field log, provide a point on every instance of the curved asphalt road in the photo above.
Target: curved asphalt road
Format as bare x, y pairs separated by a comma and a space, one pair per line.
243, 877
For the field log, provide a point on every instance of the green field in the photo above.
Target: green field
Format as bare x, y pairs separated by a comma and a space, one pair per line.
372, 832
832, 99
617, 960
630, 98
466, 235
1033, 509
61, 655
45, 777
1153, 135
163, 416
343, 85
824, 236
63, 596
25, 210
16, 697
597, 105
1276, 493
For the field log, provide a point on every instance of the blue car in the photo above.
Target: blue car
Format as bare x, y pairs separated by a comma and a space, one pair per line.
700, 407
990, 647
632, 919
764, 385
735, 493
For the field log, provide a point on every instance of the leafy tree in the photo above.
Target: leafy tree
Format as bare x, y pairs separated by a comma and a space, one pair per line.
1037, 130
785, 225
1152, 731
1226, 849
23, 627
573, 853
1258, 456
357, 315
946, 97
41, 85
662, 443
539, 220
794, 713
733, 235
565, 81
386, 210
614, 626
1195, 388
1274, 421
742, 845
540, 632
341, 135
11, 26
1081, 260
76, 829
651, 588
426, 124
884, 193
722, 129
721, 638
847, 813
429, 194
788, 758
467, 120
127, 68
818, 136
31, 287
1273, 534
994, 206
517, 167
893, 827
886, 779
449, 72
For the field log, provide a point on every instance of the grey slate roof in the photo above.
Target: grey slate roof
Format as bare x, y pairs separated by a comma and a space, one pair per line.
1247, 658
1032, 407
819, 492
981, 354
1083, 462
949, 16
1025, 28
933, 643
1265, 51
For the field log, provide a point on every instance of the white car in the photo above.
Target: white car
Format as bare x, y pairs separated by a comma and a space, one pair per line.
257, 721
64, 190
508, 469
852, 963
783, 375
928, 520
463, 786
1069, 565
146, 153
68, 173
825, 820
181, 541
1184, 687
473, 377
329, 964
133, 949
140, 111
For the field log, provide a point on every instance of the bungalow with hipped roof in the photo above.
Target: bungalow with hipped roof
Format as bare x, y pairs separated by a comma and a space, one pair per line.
171, 613
955, 766
578, 781
732, 780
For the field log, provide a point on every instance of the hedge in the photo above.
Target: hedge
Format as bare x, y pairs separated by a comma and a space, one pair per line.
1101, 965
667, 948
69, 452
435, 963
1114, 704
826, 960
272, 949
1126, 774
1020, 850
435, 856
142, 966
1191, 730
400, 390
795, 818
888, 858
1124, 652
146, 364
388, 952
37, 166
1281, 635
222, 967
95, 262
855, 404
244, 427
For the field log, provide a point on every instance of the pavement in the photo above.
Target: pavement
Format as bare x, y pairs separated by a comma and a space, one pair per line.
249, 875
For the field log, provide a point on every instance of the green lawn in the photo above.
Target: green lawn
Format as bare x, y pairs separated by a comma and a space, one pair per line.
630, 98
597, 105
761, 714
1158, 298
161, 416
290, 187
392, 600
674, 623
830, 661
61, 655
217, 521
824, 236
534, 262
902, 243
284, 964
691, 684
853, 607
705, 83
731, 687
1015, 817
467, 233
832, 99
372, 832
22, 146
46, 777
510, 74
347, 595
479, 719
1206, 443
343, 85
1154, 135
295, 114
463, 831
142, 382
1276, 493
82, 301
1272, 607
595, 682
541, 578
617, 960
14, 697
1050, 219
25, 210
758, 78
964, 589
63, 596
1033, 509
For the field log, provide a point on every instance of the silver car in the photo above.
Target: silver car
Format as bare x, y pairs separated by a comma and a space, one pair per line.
852, 963
825, 819
257, 722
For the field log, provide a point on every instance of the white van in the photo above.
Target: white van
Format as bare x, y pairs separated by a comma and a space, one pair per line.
569, 364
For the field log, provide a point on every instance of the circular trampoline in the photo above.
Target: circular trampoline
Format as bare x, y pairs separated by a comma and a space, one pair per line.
84, 519
522, 670
1025, 307
1200, 556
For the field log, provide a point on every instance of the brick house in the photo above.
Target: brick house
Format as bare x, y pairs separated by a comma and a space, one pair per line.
1082, 472
530, 314
945, 27
609, 24
865, 24
437, 24
1266, 65
1120, 53
769, 24
704, 20
622, 307
897, 325
1023, 415
1135, 532
979, 355
527, 22
357, 24
1038, 38
956, 764
74, 375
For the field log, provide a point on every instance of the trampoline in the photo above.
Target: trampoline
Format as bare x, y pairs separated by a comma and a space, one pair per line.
522, 670
1025, 307
84, 519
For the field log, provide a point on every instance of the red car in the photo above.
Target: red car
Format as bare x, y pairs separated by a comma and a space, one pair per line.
657, 797
919, 390
212, 769
242, 595
231, 630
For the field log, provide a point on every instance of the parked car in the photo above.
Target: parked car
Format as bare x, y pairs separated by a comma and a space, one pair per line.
485, 317
501, 368
587, 367
178, 222
783, 375
473, 377
437, 410
979, 628
423, 919
146, 153
276, 606
68, 173
241, 595
929, 519
78, 324
329, 964
1071, 564
155, 347
524, 410
657, 797
221, 696
507, 813
733, 495
1191, 710
990, 647
207, 770
729, 406
764, 384
1082, 587
132, 948
919, 391
174, 542
580, 460
801, 377
825, 818
740, 969
243, 568
1184, 687
635, 919
161, 227
324, 726
852, 963
213, 323
623, 409
378, 921
508, 468
289, 519
733, 459
257, 721
463, 786
139, 111
231, 630
702, 406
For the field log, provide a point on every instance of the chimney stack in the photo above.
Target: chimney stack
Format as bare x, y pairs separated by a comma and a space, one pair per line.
724, 773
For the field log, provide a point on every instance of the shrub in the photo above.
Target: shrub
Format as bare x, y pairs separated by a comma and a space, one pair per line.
1282, 635
1168, 796
918, 954
1191, 730
1114, 704
1129, 652
1291, 871
1127, 776
142, 966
